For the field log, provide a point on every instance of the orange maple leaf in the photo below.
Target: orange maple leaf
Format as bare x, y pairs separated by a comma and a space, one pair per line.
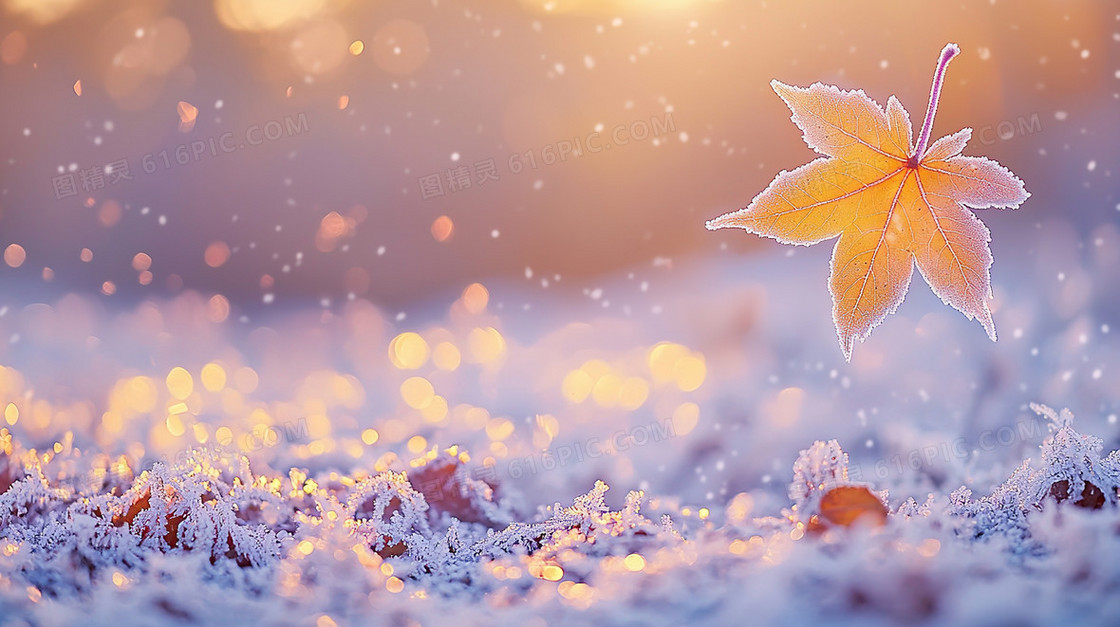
891, 202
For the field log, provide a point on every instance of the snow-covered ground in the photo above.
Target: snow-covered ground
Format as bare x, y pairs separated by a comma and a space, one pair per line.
456, 466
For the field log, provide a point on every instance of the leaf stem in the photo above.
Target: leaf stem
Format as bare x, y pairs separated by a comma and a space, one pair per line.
947, 54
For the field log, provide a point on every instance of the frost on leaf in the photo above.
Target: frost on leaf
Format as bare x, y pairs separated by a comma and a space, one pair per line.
848, 505
818, 469
891, 205
1072, 469
191, 509
388, 512
374, 547
451, 491
822, 493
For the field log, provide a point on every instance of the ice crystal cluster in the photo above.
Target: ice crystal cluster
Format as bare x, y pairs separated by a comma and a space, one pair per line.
1071, 469
208, 540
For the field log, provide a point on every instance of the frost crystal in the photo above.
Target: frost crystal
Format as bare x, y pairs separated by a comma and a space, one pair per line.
818, 469
280, 550
388, 512
1072, 468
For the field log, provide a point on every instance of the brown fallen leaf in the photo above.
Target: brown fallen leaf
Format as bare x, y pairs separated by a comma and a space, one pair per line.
892, 203
844, 505
1091, 496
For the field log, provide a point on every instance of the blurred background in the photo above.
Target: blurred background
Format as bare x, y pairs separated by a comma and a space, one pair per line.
477, 222
397, 150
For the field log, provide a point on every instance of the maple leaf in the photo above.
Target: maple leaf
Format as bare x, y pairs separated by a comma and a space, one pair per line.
892, 203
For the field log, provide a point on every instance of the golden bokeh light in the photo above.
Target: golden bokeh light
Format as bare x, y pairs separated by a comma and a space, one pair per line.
213, 377
179, 383
417, 392
486, 345
436, 410
550, 572
266, 15
606, 390
634, 562
43, 11
446, 356
673, 363
633, 393
175, 425
663, 358
606, 386
408, 351
577, 386
690, 372
370, 437
499, 429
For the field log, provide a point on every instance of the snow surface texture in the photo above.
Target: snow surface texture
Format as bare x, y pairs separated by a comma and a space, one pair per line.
716, 475
289, 548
